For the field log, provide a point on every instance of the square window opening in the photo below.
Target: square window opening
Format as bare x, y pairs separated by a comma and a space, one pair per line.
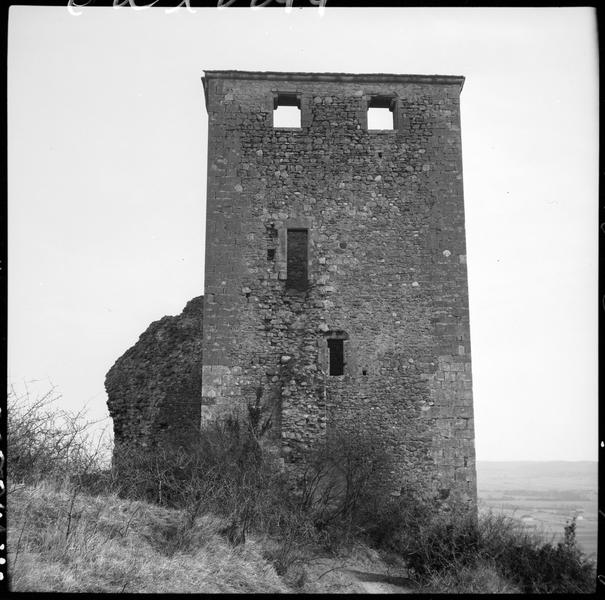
381, 113
286, 111
337, 363
380, 118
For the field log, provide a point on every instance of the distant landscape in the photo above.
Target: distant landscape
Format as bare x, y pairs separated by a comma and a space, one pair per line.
544, 495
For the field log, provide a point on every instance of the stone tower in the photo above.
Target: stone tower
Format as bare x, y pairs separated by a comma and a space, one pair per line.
335, 277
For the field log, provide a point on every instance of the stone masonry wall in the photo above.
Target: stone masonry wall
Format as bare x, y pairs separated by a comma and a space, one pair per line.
386, 266
154, 388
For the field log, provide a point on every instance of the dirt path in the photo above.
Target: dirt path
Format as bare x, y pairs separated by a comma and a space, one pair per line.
380, 583
363, 573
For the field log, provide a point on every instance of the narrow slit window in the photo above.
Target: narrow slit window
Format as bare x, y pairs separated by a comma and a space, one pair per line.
381, 113
297, 257
337, 356
286, 110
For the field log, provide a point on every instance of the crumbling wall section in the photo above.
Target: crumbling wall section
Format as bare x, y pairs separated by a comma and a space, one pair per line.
154, 388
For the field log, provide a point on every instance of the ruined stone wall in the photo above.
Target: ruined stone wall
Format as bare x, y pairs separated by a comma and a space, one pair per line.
386, 265
154, 388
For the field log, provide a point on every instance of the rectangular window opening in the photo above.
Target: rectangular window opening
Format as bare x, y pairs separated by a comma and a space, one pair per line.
337, 363
297, 258
286, 110
271, 254
381, 113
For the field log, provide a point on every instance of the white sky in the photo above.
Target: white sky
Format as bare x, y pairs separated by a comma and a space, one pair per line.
107, 175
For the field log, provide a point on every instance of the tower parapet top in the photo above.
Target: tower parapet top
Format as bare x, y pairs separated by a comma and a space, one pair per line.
336, 77
344, 77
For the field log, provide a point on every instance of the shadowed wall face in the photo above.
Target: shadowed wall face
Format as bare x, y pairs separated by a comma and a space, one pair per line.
154, 388
336, 265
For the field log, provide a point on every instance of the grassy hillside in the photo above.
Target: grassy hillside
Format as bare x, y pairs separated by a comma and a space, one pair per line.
221, 516
63, 541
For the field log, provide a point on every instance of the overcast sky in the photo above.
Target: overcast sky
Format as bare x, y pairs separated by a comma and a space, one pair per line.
107, 174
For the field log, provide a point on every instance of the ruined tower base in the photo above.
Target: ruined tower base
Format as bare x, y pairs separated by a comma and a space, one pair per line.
154, 388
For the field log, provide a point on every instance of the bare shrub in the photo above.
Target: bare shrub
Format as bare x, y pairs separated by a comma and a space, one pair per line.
457, 549
343, 482
480, 578
47, 442
229, 471
440, 542
226, 471
393, 522
539, 567
341, 495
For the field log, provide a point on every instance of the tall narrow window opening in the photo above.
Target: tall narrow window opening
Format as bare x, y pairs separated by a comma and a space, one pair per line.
337, 356
286, 110
382, 113
296, 251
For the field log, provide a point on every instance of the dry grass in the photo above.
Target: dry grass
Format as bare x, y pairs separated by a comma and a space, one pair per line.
62, 541
483, 578
62, 538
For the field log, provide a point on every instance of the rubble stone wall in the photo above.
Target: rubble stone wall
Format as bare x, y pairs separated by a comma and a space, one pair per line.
154, 388
386, 266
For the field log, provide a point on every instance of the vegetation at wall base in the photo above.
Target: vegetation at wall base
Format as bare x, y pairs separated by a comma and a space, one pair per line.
494, 553
223, 516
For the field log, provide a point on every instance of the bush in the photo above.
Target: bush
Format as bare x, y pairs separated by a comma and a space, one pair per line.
324, 501
225, 471
48, 443
342, 484
479, 578
337, 495
448, 545
395, 523
458, 549
228, 471
540, 567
